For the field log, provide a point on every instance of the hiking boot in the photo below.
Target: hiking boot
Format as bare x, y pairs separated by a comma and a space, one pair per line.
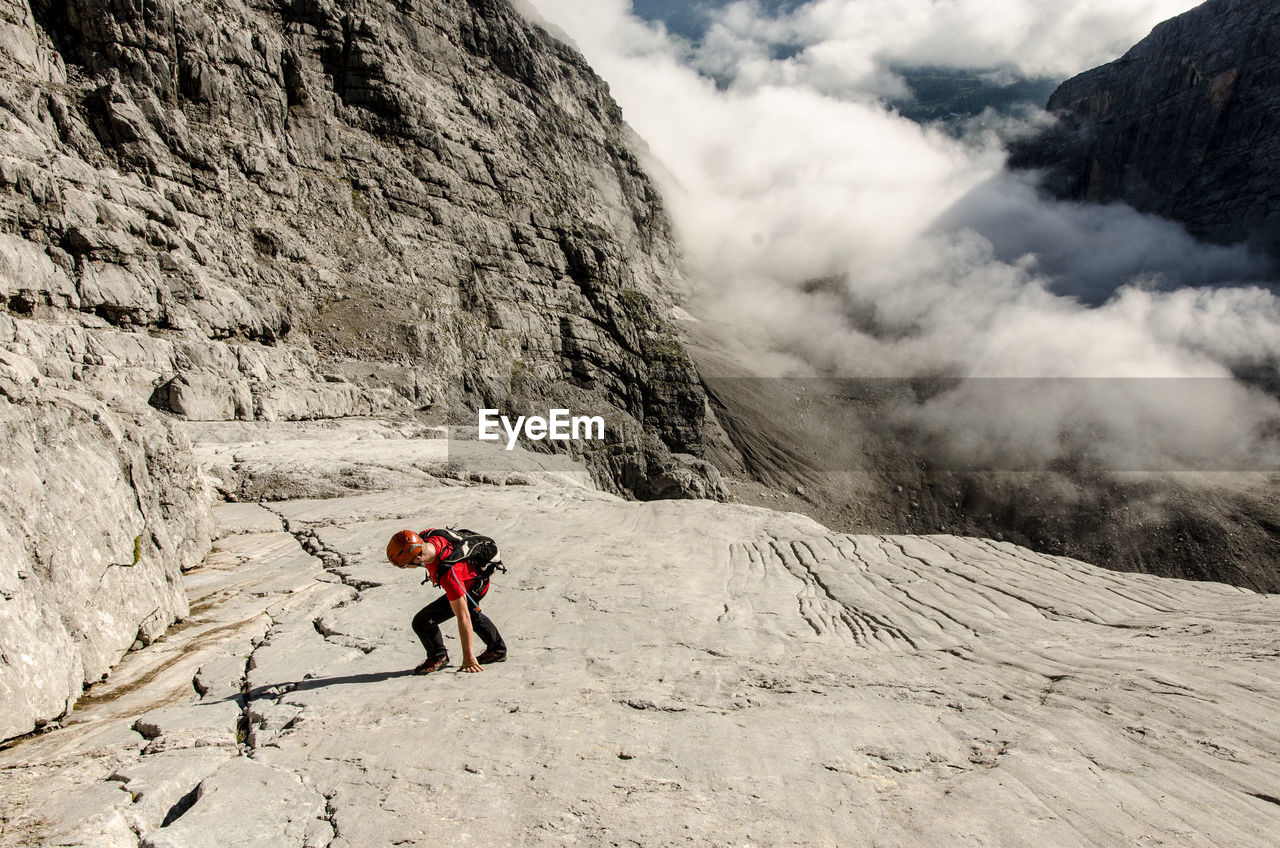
429, 665
492, 655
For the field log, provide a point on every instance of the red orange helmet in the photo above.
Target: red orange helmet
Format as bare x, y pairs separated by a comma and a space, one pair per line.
404, 548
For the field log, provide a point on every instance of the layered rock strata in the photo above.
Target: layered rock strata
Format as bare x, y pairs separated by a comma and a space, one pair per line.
375, 205
289, 211
1182, 125
102, 509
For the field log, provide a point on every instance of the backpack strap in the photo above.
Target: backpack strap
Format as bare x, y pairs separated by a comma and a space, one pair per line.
458, 542
465, 545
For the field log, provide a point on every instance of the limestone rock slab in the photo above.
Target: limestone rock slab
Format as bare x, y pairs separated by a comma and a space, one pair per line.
237, 518
212, 724
247, 803
94, 816
158, 784
921, 690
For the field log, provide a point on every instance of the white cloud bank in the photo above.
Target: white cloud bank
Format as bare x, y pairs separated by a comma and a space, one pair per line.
845, 45
941, 262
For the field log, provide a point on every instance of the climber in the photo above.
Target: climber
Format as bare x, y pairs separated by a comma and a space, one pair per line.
460, 565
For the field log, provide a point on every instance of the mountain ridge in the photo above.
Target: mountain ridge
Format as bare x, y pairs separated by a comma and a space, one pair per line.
1180, 126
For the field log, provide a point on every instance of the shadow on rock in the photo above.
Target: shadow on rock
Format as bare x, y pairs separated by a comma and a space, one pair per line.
275, 690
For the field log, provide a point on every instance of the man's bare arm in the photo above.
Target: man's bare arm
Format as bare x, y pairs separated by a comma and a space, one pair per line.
465, 636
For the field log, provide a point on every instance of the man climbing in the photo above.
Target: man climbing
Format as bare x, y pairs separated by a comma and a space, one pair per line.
461, 566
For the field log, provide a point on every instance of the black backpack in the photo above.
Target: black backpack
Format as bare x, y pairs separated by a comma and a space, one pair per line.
475, 549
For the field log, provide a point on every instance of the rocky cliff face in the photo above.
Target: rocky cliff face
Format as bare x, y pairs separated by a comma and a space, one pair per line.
298, 210
1183, 126
424, 203
102, 508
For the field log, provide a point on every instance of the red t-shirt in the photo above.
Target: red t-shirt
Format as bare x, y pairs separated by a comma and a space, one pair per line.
459, 578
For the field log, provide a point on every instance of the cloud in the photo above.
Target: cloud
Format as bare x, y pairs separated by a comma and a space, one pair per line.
1084, 250
841, 46
866, 245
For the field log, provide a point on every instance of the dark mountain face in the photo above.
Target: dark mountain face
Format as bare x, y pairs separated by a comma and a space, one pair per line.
1184, 125
941, 93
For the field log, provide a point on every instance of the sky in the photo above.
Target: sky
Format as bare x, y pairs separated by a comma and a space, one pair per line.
781, 165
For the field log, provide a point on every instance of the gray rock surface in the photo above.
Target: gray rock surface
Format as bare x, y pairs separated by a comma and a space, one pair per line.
292, 212
761, 681
285, 812
1183, 125
317, 211
290, 460
103, 506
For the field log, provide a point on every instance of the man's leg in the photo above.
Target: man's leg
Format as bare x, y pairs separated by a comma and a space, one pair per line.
486, 630
427, 625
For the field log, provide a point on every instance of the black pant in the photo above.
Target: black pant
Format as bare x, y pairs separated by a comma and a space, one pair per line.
427, 625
